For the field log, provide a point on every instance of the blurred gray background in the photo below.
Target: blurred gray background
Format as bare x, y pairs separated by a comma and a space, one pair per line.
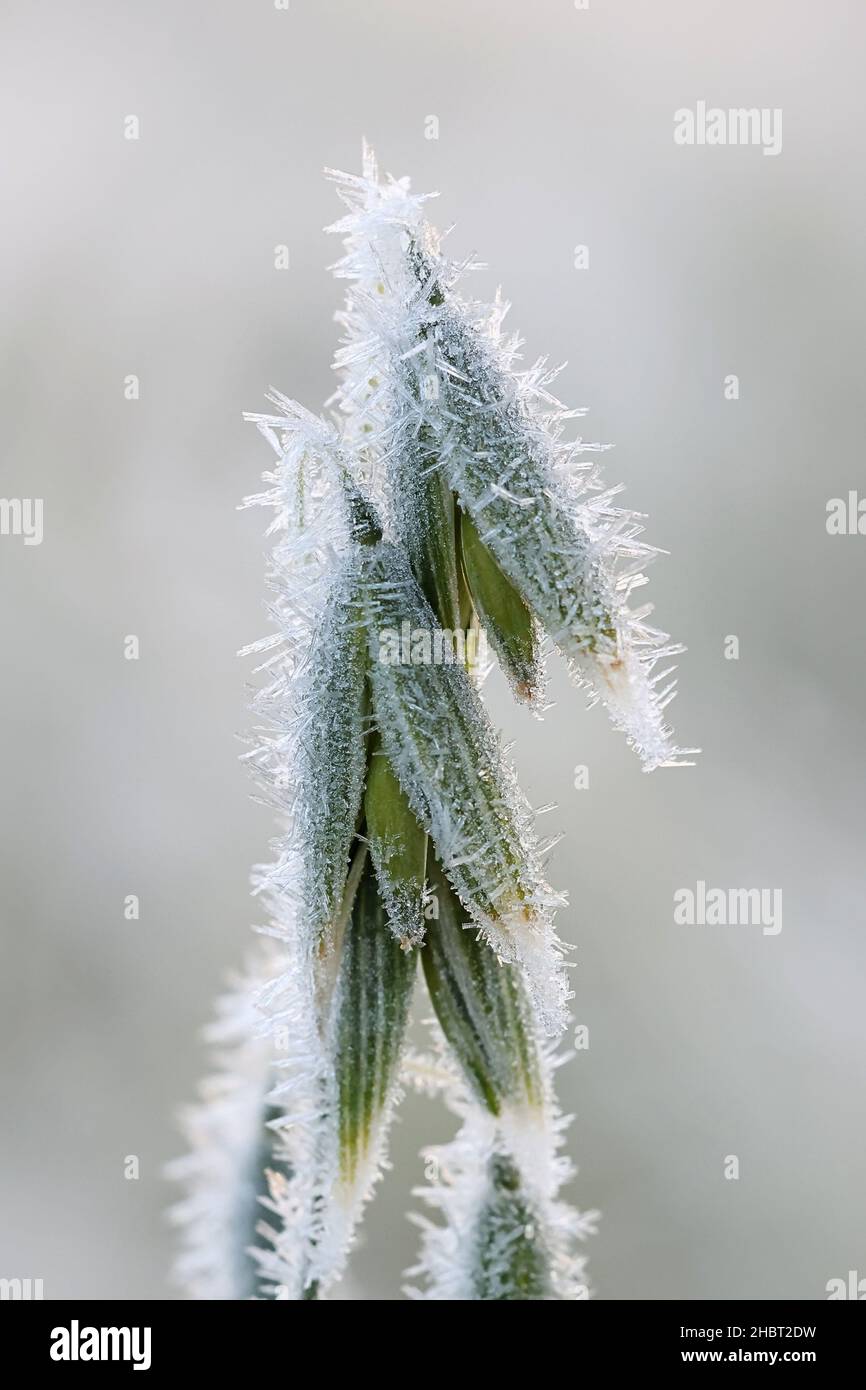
155, 257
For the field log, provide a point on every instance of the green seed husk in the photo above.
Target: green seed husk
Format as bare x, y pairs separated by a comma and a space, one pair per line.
398, 845
480, 1005
371, 1005
432, 548
334, 751
503, 612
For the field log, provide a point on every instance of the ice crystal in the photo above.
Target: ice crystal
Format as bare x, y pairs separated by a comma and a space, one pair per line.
446, 755
481, 1007
313, 701
445, 498
224, 1173
342, 1015
507, 1234
398, 845
504, 1232
430, 389
336, 1007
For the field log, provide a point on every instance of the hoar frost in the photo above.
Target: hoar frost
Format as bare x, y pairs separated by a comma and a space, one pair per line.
444, 499
420, 363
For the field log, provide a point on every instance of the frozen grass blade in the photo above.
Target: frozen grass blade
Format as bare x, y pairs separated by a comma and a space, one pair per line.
446, 381
447, 499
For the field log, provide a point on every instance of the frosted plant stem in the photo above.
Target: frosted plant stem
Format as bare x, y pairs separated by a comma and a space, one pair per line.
444, 502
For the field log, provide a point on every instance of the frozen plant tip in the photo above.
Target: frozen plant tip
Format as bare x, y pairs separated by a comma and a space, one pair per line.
443, 502
431, 395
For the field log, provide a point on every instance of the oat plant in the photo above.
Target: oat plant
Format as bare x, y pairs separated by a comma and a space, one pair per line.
440, 503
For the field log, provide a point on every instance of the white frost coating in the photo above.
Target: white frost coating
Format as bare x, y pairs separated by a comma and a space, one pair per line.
225, 1130
422, 368
265, 1214
381, 326
312, 702
531, 1138
431, 405
317, 1211
447, 758
314, 661
304, 1134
